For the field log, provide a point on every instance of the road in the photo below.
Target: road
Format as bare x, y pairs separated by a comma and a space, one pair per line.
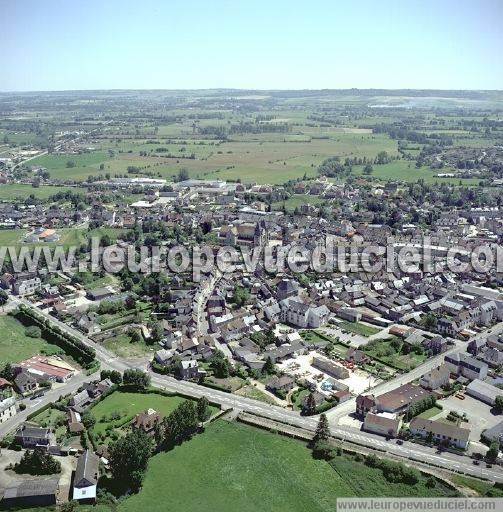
227, 400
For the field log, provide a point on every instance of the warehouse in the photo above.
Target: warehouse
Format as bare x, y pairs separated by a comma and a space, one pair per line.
483, 391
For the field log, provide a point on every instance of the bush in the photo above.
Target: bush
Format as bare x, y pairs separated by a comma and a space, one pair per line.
33, 331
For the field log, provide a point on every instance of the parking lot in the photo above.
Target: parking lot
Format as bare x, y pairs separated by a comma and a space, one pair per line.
479, 416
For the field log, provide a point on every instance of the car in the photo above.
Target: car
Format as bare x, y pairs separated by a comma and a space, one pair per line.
476, 462
489, 466
399, 441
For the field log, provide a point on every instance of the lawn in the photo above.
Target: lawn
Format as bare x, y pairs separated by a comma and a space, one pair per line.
236, 467
123, 347
358, 328
252, 392
16, 346
429, 413
297, 200
385, 352
126, 405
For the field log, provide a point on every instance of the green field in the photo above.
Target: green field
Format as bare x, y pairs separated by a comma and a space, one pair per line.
358, 328
14, 191
236, 467
123, 347
128, 405
67, 237
404, 170
16, 346
297, 200
429, 413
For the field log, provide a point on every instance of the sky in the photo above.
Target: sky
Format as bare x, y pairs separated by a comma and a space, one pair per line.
259, 44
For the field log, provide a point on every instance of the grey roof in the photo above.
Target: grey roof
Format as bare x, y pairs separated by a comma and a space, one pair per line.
86, 473
494, 433
483, 388
439, 428
27, 431
32, 487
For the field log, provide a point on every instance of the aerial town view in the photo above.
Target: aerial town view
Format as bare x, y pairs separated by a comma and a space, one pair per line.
251, 256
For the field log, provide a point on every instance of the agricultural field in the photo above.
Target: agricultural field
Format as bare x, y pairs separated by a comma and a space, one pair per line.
233, 467
16, 346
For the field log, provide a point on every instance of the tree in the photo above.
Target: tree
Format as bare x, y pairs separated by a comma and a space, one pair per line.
37, 462
181, 424
322, 430
220, 365
498, 404
309, 406
3, 297
492, 453
129, 457
268, 368
241, 296
88, 420
114, 375
136, 378
203, 409
183, 174
7, 372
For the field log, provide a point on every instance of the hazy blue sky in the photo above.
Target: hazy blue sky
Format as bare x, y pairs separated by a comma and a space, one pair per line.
100, 44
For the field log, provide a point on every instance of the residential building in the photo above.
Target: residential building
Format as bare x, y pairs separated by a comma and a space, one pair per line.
146, 421
465, 366
303, 315
32, 437
85, 482
442, 433
7, 408
436, 378
382, 424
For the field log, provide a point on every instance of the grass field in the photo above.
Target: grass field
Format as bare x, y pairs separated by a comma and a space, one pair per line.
123, 347
128, 405
67, 237
384, 352
429, 413
13, 191
358, 328
297, 200
16, 346
236, 467
404, 170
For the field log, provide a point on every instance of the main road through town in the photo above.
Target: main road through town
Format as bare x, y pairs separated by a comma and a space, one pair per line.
424, 454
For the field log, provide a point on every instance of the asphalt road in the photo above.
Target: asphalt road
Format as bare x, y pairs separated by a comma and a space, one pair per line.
227, 400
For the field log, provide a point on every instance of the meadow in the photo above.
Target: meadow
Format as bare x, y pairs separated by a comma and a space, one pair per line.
126, 405
16, 346
236, 467
14, 191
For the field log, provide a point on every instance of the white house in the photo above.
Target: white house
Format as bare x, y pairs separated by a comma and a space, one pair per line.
86, 476
7, 408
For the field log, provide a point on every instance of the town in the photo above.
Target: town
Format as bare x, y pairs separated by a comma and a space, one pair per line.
111, 380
